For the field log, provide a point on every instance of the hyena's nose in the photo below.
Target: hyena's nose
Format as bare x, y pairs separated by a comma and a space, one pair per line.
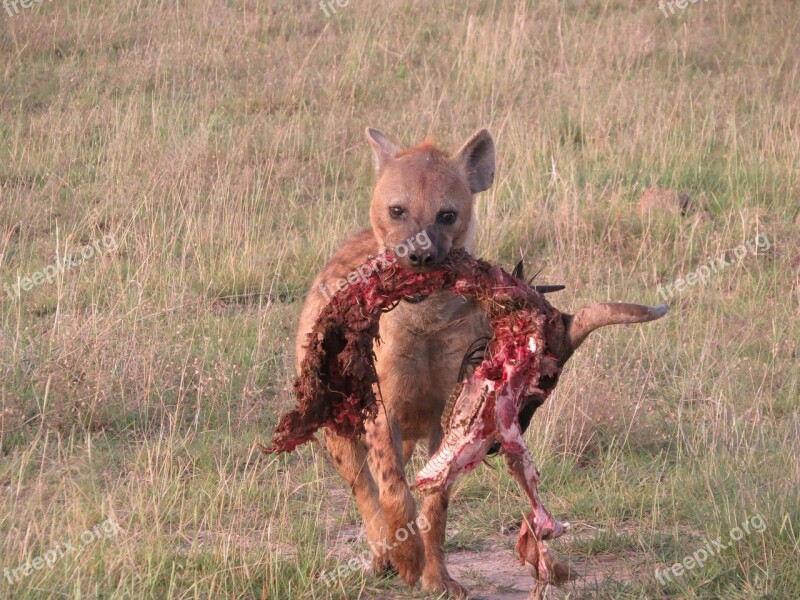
422, 258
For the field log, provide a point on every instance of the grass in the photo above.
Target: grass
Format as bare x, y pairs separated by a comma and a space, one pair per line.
221, 144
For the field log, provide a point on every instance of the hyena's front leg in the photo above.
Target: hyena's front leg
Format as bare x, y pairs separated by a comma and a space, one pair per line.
350, 460
434, 511
404, 546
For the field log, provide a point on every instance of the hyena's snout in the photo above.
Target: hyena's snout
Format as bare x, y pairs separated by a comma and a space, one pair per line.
423, 250
420, 252
424, 258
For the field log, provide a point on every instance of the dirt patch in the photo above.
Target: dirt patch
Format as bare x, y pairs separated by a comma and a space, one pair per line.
493, 572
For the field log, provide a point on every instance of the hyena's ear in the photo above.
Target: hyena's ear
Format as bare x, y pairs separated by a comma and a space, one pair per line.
476, 160
382, 147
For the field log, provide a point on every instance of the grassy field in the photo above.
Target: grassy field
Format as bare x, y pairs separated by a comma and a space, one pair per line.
207, 156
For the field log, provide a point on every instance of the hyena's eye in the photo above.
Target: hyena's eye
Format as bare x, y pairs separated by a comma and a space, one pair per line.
396, 211
447, 217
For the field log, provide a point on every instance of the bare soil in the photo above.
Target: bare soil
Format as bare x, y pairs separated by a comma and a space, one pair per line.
493, 572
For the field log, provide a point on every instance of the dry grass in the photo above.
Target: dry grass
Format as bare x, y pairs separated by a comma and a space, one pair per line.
220, 143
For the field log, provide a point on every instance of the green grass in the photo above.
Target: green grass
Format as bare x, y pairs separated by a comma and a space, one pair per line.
221, 143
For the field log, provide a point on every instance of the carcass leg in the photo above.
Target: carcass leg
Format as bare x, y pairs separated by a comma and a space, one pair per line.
530, 545
526, 474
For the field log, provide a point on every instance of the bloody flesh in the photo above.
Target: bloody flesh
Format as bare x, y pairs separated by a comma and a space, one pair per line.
335, 387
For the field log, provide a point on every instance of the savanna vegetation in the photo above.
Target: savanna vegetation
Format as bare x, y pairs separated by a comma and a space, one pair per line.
219, 144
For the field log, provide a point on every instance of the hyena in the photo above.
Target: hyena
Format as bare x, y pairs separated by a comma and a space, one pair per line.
420, 193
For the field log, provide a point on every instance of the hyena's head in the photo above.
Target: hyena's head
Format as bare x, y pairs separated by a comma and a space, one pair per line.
422, 204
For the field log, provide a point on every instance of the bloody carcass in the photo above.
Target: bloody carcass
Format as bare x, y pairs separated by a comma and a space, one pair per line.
531, 341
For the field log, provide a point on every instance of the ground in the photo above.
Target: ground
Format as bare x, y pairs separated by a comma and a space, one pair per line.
202, 160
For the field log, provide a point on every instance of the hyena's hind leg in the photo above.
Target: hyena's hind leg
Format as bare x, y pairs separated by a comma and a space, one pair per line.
350, 460
386, 459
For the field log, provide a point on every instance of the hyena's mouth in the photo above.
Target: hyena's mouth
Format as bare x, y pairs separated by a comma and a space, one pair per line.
531, 343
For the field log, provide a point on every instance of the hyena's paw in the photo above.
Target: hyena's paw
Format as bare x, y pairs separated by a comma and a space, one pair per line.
408, 558
438, 585
381, 566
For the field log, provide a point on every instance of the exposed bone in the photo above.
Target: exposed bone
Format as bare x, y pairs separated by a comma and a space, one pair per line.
468, 437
